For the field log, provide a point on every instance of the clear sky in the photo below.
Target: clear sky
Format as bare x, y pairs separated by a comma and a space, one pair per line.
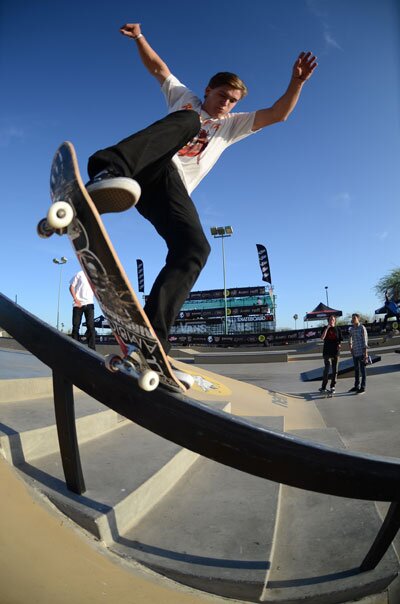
320, 191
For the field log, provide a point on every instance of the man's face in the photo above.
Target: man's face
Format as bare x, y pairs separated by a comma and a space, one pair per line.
355, 320
221, 100
332, 321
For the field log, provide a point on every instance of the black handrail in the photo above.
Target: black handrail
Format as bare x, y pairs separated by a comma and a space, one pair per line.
227, 439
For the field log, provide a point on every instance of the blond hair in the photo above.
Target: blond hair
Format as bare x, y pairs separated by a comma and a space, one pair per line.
226, 78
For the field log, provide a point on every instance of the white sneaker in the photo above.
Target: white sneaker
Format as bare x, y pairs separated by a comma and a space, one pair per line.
113, 193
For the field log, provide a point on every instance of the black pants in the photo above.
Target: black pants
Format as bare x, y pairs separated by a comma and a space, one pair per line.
327, 363
146, 156
88, 311
359, 369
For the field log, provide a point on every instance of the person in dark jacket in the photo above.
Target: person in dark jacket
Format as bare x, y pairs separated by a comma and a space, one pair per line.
332, 338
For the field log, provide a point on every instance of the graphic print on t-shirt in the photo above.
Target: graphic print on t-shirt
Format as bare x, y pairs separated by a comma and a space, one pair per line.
198, 144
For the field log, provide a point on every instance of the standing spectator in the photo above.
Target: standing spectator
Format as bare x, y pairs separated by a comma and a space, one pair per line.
332, 337
359, 350
82, 294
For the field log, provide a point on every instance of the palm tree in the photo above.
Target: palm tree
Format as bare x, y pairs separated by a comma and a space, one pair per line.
390, 285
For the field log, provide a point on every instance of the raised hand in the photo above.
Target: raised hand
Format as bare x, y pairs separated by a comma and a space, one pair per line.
131, 30
304, 66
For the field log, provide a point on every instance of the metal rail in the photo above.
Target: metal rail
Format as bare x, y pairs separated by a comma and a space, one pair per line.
219, 436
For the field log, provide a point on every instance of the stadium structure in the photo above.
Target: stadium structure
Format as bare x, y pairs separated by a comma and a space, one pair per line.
207, 316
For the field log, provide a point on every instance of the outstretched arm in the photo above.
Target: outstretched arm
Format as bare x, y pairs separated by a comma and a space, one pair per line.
150, 59
280, 111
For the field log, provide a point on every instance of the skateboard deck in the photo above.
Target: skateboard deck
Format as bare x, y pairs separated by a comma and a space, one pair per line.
74, 213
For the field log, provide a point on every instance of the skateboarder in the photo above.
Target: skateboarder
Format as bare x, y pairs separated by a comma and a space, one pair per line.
332, 338
82, 294
168, 160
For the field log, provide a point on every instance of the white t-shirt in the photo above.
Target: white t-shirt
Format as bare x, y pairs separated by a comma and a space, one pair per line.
197, 158
82, 288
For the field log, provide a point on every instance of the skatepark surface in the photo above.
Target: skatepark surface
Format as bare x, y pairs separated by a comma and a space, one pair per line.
39, 569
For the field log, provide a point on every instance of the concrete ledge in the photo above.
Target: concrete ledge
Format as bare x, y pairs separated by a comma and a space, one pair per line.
19, 447
23, 389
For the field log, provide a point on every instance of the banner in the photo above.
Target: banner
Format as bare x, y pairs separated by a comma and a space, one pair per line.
264, 263
215, 313
140, 275
235, 292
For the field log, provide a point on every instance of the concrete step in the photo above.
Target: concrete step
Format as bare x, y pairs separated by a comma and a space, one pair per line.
126, 471
321, 541
25, 388
28, 430
213, 532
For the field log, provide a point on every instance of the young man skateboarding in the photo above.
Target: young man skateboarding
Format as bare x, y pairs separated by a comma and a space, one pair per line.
167, 161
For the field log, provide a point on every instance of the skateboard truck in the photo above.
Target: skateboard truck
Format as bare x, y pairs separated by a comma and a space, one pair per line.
132, 363
59, 217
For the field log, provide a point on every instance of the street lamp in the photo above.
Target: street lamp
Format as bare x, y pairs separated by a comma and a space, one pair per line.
60, 261
221, 233
326, 291
295, 317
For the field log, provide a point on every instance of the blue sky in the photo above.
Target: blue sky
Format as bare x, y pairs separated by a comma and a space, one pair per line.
320, 191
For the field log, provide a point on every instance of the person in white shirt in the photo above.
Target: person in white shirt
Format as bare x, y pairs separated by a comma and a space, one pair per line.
168, 159
83, 304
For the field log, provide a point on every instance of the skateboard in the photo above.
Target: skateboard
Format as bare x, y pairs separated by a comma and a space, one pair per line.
327, 394
73, 213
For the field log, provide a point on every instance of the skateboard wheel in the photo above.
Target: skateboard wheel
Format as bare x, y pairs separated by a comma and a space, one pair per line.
43, 229
149, 380
60, 215
112, 362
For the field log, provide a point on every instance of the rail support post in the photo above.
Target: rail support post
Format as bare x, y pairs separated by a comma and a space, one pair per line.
67, 437
384, 538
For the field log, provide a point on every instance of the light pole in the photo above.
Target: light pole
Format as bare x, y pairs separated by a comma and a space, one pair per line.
326, 291
60, 261
221, 233
273, 300
295, 317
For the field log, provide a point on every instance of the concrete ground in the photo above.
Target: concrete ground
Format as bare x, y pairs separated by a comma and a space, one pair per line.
20, 364
55, 551
368, 423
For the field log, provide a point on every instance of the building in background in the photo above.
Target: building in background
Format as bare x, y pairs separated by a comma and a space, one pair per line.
250, 310
251, 318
